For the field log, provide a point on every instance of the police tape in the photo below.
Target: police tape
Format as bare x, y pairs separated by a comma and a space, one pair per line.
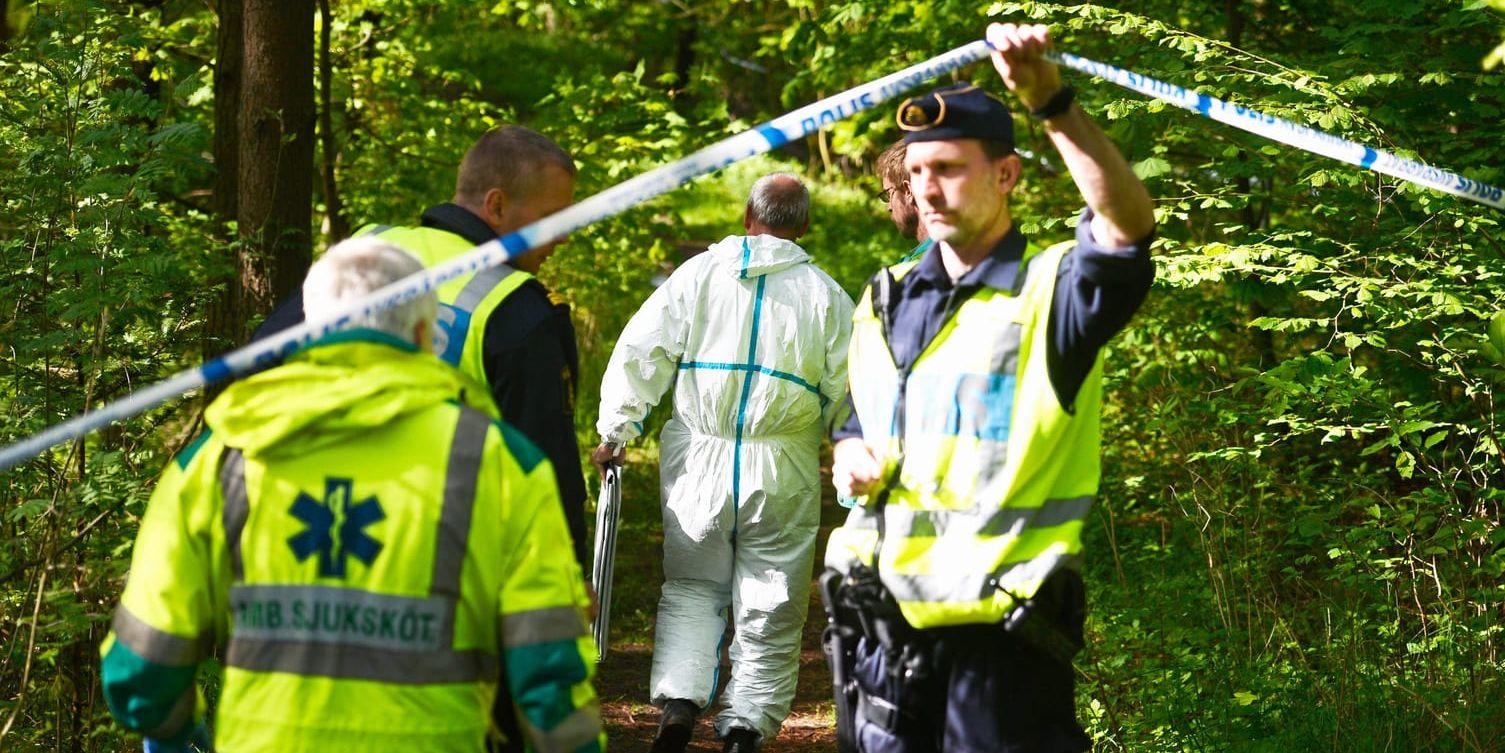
763, 138
1291, 134
612, 201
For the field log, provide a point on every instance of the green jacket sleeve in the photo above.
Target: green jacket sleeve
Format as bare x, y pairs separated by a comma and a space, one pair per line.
164, 625
546, 642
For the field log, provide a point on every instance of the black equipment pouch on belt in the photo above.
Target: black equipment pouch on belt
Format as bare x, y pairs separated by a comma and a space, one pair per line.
891, 675
1028, 621
905, 655
893, 684
839, 642
864, 594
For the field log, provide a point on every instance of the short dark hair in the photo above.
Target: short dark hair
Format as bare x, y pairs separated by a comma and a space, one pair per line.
508, 157
779, 201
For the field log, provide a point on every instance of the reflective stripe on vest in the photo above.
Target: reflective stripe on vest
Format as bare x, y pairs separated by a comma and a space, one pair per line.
232, 484
347, 633
463, 302
990, 479
452, 331
1020, 578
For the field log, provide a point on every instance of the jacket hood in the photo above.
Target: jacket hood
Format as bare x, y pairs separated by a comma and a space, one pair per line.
337, 387
747, 256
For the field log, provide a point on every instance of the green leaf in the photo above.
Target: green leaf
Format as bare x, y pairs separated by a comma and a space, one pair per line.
1411, 427
1151, 168
1405, 464
1496, 333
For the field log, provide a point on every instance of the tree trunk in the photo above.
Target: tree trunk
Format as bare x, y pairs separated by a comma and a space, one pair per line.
224, 325
1262, 340
334, 208
228, 62
5, 31
684, 63
276, 150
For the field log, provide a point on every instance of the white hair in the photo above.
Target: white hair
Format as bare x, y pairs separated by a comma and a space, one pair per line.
355, 267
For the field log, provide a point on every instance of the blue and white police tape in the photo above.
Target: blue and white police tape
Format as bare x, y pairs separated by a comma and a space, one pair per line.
612, 201
763, 138
1291, 134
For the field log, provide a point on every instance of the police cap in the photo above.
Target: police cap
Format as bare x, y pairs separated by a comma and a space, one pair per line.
958, 111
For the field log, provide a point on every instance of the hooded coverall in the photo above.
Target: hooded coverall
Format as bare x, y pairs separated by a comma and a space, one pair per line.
753, 338
366, 544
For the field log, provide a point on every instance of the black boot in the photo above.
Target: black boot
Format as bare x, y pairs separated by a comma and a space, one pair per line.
675, 726
740, 740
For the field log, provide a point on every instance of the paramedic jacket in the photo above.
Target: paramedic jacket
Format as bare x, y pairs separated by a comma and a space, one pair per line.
531, 364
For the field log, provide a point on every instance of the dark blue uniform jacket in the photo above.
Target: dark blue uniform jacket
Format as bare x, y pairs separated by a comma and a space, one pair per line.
1097, 290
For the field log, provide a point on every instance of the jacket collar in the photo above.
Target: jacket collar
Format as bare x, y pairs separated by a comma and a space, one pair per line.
997, 270
453, 218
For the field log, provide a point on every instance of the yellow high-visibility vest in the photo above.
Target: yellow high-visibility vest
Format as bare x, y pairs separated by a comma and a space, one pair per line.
466, 302
988, 477
365, 543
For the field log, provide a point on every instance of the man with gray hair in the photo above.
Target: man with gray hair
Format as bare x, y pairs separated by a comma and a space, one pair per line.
360, 541
752, 337
500, 326
364, 265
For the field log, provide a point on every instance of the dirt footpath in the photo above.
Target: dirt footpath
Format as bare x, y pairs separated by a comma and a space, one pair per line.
622, 680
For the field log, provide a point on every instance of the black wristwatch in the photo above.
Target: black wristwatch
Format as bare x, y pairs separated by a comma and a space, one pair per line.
1058, 103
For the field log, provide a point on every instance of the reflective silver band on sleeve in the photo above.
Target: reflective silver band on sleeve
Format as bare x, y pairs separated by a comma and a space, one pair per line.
159, 646
541, 626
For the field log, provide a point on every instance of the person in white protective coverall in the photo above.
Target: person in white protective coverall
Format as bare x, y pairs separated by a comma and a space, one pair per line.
753, 338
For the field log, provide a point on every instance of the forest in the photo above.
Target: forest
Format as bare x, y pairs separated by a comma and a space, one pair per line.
1299, 543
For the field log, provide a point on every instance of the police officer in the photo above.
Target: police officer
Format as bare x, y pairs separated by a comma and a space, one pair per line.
501, 326
363, 541
976, 377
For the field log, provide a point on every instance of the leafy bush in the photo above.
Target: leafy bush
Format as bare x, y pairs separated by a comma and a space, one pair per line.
1298, 542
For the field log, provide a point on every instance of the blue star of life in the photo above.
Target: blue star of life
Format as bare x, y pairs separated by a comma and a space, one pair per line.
336, 513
